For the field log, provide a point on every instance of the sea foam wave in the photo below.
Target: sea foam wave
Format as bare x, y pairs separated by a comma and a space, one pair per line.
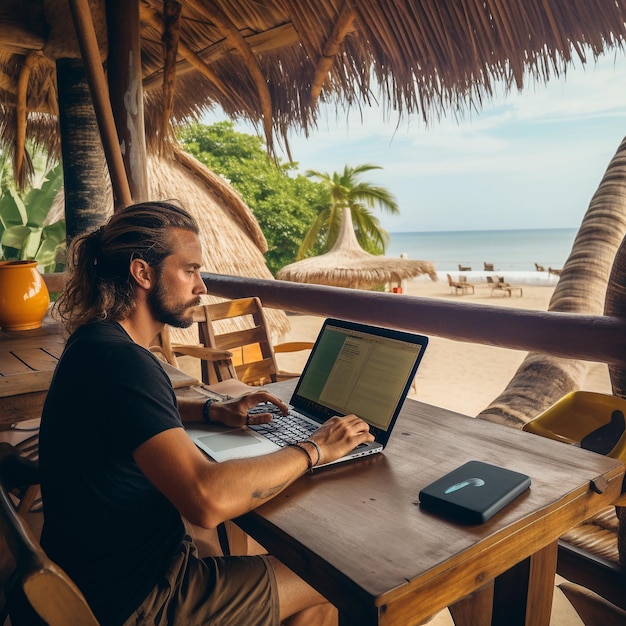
514, 277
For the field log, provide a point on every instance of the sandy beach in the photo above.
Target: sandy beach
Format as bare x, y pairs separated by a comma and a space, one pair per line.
475, 374
456, 375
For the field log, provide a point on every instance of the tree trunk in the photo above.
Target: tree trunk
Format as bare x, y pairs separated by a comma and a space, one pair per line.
541, 379
87, 204
616, 305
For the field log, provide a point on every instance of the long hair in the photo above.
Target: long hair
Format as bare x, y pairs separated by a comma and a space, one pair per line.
99, 284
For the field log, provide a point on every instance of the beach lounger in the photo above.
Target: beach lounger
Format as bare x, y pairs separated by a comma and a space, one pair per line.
460, 286
464, 268
488, 266
498, 284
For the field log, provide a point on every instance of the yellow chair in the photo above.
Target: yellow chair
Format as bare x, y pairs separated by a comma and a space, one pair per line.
587, 555
580, 415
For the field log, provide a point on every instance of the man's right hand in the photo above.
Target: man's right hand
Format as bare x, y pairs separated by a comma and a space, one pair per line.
338, 435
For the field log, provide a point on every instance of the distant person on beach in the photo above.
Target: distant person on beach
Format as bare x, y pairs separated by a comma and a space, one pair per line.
120, 476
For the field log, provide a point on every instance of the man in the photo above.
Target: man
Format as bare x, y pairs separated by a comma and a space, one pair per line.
119, 473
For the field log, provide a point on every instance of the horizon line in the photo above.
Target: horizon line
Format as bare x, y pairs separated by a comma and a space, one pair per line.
480, 230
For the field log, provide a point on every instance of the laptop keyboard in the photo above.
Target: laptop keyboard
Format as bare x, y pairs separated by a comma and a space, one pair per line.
283, 429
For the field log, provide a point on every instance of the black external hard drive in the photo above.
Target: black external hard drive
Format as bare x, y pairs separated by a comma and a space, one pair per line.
473, 492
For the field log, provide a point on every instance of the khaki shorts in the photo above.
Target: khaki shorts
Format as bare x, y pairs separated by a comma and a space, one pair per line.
229, 591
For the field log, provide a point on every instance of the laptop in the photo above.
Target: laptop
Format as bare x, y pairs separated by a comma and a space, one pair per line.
352, 368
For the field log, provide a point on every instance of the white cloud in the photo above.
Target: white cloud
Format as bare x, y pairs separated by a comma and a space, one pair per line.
525, 160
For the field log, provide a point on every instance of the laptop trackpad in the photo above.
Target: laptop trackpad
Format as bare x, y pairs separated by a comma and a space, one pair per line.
221, 442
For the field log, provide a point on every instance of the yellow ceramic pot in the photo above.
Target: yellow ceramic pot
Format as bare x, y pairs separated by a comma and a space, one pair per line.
24, 297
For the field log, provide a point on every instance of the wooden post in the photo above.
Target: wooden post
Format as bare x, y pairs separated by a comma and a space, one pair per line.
90, 53
126, 92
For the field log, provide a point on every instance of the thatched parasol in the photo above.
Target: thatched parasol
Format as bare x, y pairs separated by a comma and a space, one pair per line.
348, 265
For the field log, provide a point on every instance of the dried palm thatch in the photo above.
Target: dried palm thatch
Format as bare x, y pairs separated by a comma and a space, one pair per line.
232, 241
273, 62
348, 265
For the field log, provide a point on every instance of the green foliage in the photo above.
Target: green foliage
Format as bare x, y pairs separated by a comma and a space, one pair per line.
22, 217
283, 203
346, 190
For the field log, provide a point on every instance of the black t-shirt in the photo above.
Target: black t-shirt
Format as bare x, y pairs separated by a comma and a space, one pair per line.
105, 524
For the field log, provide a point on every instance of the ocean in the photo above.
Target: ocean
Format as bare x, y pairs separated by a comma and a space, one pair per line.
510, 251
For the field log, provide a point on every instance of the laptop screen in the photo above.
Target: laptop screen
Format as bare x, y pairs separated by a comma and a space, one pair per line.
361, 369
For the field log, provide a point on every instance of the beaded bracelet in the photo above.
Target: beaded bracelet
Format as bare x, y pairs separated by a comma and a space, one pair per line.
206, 408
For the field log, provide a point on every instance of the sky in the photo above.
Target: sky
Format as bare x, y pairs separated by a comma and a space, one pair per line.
525, 160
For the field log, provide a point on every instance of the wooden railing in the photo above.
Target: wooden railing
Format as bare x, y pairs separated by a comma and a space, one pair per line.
591, 338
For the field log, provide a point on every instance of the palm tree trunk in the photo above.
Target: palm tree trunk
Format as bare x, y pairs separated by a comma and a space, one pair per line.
616, 305
542, 379
84, 165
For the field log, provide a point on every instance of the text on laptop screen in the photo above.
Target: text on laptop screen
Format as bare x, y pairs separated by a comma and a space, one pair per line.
355, 372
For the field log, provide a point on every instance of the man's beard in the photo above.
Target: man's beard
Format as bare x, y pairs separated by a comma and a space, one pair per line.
178, 316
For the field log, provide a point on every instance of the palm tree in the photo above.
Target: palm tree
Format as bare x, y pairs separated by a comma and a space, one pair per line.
84, 163
345, 190
592, 282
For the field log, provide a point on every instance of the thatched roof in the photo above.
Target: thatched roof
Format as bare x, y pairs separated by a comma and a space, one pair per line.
272, 62
232, 241
348, 265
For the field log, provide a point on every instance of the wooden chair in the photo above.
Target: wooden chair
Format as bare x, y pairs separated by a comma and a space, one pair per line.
216, 365
24, 437
461, 286
289, 347
592, 609
46, 587
245, 353
488, 267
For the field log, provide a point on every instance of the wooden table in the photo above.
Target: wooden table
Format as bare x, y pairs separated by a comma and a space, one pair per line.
27, 362
356, 532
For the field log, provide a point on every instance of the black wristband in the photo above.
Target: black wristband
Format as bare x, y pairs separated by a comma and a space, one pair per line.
308, 456
317, 449
206, 408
